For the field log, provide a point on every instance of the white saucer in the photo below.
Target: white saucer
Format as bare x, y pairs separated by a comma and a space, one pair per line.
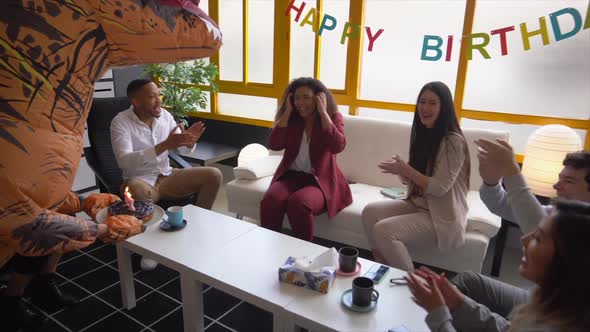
347, 302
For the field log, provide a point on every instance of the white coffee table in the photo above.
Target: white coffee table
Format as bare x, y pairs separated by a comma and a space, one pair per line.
394, 308
248, 269
206, 233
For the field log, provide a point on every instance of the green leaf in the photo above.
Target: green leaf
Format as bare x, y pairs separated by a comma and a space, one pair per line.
178, 85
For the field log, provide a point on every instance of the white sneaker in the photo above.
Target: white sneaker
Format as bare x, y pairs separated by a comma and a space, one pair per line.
148, 264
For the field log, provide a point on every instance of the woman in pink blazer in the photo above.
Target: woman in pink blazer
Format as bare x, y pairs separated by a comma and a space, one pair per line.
308, 181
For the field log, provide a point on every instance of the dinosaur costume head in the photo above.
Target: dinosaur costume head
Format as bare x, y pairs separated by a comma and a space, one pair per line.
51, 53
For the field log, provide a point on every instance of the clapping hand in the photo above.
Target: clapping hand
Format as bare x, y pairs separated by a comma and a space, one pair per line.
196, 129
394, 166
425, 294
496, 160
183, 138
435, 292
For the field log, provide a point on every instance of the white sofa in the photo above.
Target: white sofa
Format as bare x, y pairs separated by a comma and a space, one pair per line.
369, 141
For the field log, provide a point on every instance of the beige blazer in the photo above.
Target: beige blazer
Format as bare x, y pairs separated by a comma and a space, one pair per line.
446, 193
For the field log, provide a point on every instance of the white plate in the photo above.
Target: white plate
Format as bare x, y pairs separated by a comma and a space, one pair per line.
158, 214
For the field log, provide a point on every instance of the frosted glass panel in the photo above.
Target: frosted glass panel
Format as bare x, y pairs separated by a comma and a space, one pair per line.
204, 5
231, 53
302, 44
550, 80
260, 40
519, 134
207, 109
386, 114
333, 54
393, 71
247, 106
344, 109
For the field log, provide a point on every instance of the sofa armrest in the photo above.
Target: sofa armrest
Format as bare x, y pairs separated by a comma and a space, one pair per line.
258, 168
479, 218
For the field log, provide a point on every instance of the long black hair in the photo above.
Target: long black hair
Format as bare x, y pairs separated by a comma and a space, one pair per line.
425, 142
561, 300
315, 85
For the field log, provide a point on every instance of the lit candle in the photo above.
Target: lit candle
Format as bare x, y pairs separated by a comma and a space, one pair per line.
129, 200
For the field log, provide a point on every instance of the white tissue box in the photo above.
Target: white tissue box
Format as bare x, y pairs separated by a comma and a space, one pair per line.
318, 281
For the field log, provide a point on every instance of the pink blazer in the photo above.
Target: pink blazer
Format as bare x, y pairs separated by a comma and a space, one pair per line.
323, 147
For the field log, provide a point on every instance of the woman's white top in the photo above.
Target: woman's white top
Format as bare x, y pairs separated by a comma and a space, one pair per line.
302, 162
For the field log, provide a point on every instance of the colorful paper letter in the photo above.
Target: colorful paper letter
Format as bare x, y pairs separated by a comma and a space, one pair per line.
479, 47
559, 35
324, 26
526, 35
426, 46
502, 32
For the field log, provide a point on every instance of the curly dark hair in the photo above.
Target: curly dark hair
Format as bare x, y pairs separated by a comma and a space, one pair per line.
315, 85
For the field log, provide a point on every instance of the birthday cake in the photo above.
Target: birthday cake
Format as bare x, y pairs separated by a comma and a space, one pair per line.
143, 209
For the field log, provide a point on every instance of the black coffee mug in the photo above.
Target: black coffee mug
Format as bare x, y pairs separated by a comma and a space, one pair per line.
363, 292
347, 259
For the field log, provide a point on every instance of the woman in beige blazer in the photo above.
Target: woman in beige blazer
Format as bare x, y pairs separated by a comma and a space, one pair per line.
434, 215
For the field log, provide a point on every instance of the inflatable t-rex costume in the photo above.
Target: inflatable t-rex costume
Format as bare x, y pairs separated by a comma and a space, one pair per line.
51, 53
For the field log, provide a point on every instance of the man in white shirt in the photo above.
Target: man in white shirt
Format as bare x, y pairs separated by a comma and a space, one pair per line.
141, 137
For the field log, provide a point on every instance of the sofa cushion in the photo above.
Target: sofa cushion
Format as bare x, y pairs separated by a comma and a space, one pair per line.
368, 142
248, 193
259, 168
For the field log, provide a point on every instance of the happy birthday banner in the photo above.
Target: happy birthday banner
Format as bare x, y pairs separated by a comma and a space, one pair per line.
502, 33
329, 23
432, 44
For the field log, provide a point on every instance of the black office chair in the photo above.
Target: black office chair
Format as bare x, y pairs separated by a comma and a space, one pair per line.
100, 156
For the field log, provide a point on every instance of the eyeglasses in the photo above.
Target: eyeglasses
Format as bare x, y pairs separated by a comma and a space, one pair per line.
398, 281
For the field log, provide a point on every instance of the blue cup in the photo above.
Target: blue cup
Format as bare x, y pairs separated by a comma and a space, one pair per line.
175, 216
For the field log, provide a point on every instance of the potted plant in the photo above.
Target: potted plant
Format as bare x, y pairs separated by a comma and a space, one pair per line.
179, 85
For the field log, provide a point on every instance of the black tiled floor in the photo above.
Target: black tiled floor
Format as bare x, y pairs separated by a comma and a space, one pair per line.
85, 313
135, 263
99, 279
151, 308
116, 322
172, 289
157, 277
52, 326
217, 302
96, 244
106, 254
171, 323
70, 255
247, 317
77, 266
217, 328
113, 294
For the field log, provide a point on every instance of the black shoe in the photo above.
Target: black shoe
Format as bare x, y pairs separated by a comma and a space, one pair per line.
45, 293
16, 314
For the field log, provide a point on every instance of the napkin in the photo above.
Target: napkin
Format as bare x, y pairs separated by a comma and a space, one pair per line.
325, 260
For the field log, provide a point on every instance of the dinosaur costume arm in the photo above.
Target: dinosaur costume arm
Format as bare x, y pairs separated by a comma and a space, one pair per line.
49, 231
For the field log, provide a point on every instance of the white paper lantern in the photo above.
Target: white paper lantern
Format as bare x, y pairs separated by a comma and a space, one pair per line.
545, 150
